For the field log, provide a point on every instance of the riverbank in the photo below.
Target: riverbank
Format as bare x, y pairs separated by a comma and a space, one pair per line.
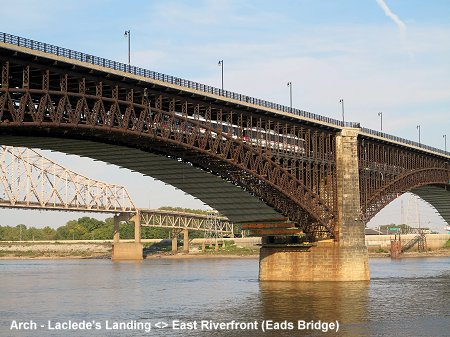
102, 250
444, 252
55, 250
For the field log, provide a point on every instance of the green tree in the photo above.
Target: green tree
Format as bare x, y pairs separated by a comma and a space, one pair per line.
48, 233
21, 231
9, 233
71, 231
90, 224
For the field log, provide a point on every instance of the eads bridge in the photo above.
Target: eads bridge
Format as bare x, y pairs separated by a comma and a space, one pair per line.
306, 183
28, 180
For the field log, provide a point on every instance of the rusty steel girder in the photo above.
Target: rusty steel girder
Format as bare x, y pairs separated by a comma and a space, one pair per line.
290, 166
288, 162
404, 183
387, 171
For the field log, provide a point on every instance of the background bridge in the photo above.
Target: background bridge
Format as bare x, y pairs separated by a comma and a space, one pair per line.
31, 181
210, 222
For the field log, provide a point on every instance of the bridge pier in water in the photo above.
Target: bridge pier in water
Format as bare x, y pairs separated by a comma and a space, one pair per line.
343, 259
127, 250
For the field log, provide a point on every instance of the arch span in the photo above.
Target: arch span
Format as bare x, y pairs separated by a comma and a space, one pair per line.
239, 206
40, 99
437, 196
231, 160
426, 182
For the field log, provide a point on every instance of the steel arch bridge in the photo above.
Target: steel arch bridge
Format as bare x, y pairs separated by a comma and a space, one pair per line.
256, 162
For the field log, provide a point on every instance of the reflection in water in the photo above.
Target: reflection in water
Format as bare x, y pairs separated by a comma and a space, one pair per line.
346, 302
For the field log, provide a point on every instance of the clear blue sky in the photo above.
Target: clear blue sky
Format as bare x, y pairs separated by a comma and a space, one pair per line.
390, 56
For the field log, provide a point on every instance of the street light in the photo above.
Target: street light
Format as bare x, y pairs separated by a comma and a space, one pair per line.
342, 104
128, 34
381, 119
289, 84
445, 142
221, 64
418, 128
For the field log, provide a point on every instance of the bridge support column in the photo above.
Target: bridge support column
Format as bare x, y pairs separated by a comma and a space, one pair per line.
116, 228
343, 259
186, 240
174, 241
127, 250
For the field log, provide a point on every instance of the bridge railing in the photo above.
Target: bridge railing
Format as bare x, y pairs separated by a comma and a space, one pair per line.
402, 140
76, 55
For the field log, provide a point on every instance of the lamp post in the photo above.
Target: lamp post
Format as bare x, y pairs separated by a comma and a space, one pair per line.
381, 119
128, 34
221, 64
445, 142
418, 128
289, 84
342, 105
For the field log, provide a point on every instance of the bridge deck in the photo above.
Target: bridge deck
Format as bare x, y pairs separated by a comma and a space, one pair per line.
167, 83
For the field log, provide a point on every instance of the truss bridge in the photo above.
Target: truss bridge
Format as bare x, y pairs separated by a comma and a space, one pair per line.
261, 164
32, 181
29, 180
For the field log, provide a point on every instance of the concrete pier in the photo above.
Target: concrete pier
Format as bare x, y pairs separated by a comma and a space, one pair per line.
174, 243
185, 241
127, 250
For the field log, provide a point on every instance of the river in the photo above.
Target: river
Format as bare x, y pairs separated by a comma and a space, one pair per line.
408, 297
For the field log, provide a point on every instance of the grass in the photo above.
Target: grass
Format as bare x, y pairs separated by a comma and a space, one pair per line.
230, 248
447, 244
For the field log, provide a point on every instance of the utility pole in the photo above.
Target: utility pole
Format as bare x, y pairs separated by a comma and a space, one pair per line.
342, 104
289, 84
381, 119
221, 64
418, 128
128, 34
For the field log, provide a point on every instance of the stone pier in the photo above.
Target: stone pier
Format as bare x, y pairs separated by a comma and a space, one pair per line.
127, 250
343, 259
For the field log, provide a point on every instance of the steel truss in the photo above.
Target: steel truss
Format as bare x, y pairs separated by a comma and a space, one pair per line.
180, 220
29, 180
387, 171
294, 171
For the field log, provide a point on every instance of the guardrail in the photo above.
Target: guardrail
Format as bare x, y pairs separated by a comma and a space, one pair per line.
76, 55
403, 140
